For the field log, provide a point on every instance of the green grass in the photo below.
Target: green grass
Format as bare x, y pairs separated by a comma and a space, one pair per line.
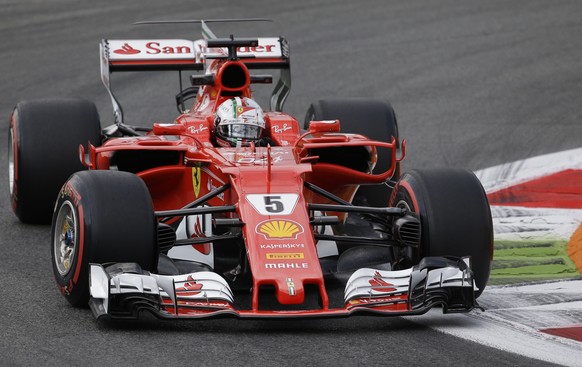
530, 261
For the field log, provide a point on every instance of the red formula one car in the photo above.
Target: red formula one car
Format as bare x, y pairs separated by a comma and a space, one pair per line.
233, 211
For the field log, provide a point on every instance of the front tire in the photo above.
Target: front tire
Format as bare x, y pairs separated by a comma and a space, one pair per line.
43, 144
100, 217
455, 217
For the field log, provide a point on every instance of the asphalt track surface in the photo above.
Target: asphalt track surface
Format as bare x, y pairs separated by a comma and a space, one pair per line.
474, 84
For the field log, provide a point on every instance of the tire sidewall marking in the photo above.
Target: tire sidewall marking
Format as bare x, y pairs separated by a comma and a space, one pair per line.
14, 128
79, 258
67, 283
408, 189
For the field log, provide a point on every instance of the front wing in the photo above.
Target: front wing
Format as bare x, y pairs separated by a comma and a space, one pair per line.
435, 281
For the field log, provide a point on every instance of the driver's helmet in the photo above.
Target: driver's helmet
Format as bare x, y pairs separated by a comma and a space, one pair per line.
238, 122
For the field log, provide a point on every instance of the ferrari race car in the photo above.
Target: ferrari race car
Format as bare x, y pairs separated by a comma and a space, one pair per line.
185, 221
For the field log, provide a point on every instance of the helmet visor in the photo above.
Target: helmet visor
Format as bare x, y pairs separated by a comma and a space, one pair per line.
240, 131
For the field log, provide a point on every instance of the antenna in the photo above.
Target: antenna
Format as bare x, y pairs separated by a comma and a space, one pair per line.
206, 32
200, 21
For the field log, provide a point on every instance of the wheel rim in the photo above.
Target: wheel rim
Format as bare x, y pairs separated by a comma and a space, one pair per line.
65, 238
11, 166
404, 205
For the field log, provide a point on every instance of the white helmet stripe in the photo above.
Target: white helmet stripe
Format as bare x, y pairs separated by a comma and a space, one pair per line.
236, 102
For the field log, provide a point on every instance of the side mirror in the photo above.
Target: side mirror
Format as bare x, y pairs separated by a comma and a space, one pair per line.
324, 126
169, 129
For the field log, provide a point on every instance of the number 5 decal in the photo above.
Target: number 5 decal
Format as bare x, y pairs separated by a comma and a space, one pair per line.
273, 204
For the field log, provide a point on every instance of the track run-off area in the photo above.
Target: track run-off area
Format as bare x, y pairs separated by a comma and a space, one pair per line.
533, 305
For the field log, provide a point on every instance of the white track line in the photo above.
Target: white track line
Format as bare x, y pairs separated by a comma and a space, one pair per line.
516, 329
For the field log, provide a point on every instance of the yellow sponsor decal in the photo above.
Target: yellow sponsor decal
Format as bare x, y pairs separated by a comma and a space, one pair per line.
279, 229
196, 178
285, 256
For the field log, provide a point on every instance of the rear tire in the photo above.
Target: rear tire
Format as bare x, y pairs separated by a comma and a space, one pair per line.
455, 217
100, 217
374, 119
43, 145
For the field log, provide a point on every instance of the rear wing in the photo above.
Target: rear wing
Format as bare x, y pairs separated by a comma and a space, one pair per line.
181, 54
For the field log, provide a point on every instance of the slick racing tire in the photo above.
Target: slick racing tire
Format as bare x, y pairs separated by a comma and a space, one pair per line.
100, 217
455, 217
374, 119
43, 146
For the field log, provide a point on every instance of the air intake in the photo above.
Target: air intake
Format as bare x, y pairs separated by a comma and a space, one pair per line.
233, 76
407, 230
166, 236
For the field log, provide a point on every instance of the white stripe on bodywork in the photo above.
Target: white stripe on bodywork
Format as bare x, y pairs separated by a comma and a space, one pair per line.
189, 253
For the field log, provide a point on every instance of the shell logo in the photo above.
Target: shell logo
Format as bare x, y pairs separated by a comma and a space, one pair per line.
279, 229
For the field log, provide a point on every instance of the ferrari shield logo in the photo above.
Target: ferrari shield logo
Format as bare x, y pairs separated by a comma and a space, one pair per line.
196, 178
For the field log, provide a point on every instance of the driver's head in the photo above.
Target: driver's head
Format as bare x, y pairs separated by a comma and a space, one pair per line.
238, 122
